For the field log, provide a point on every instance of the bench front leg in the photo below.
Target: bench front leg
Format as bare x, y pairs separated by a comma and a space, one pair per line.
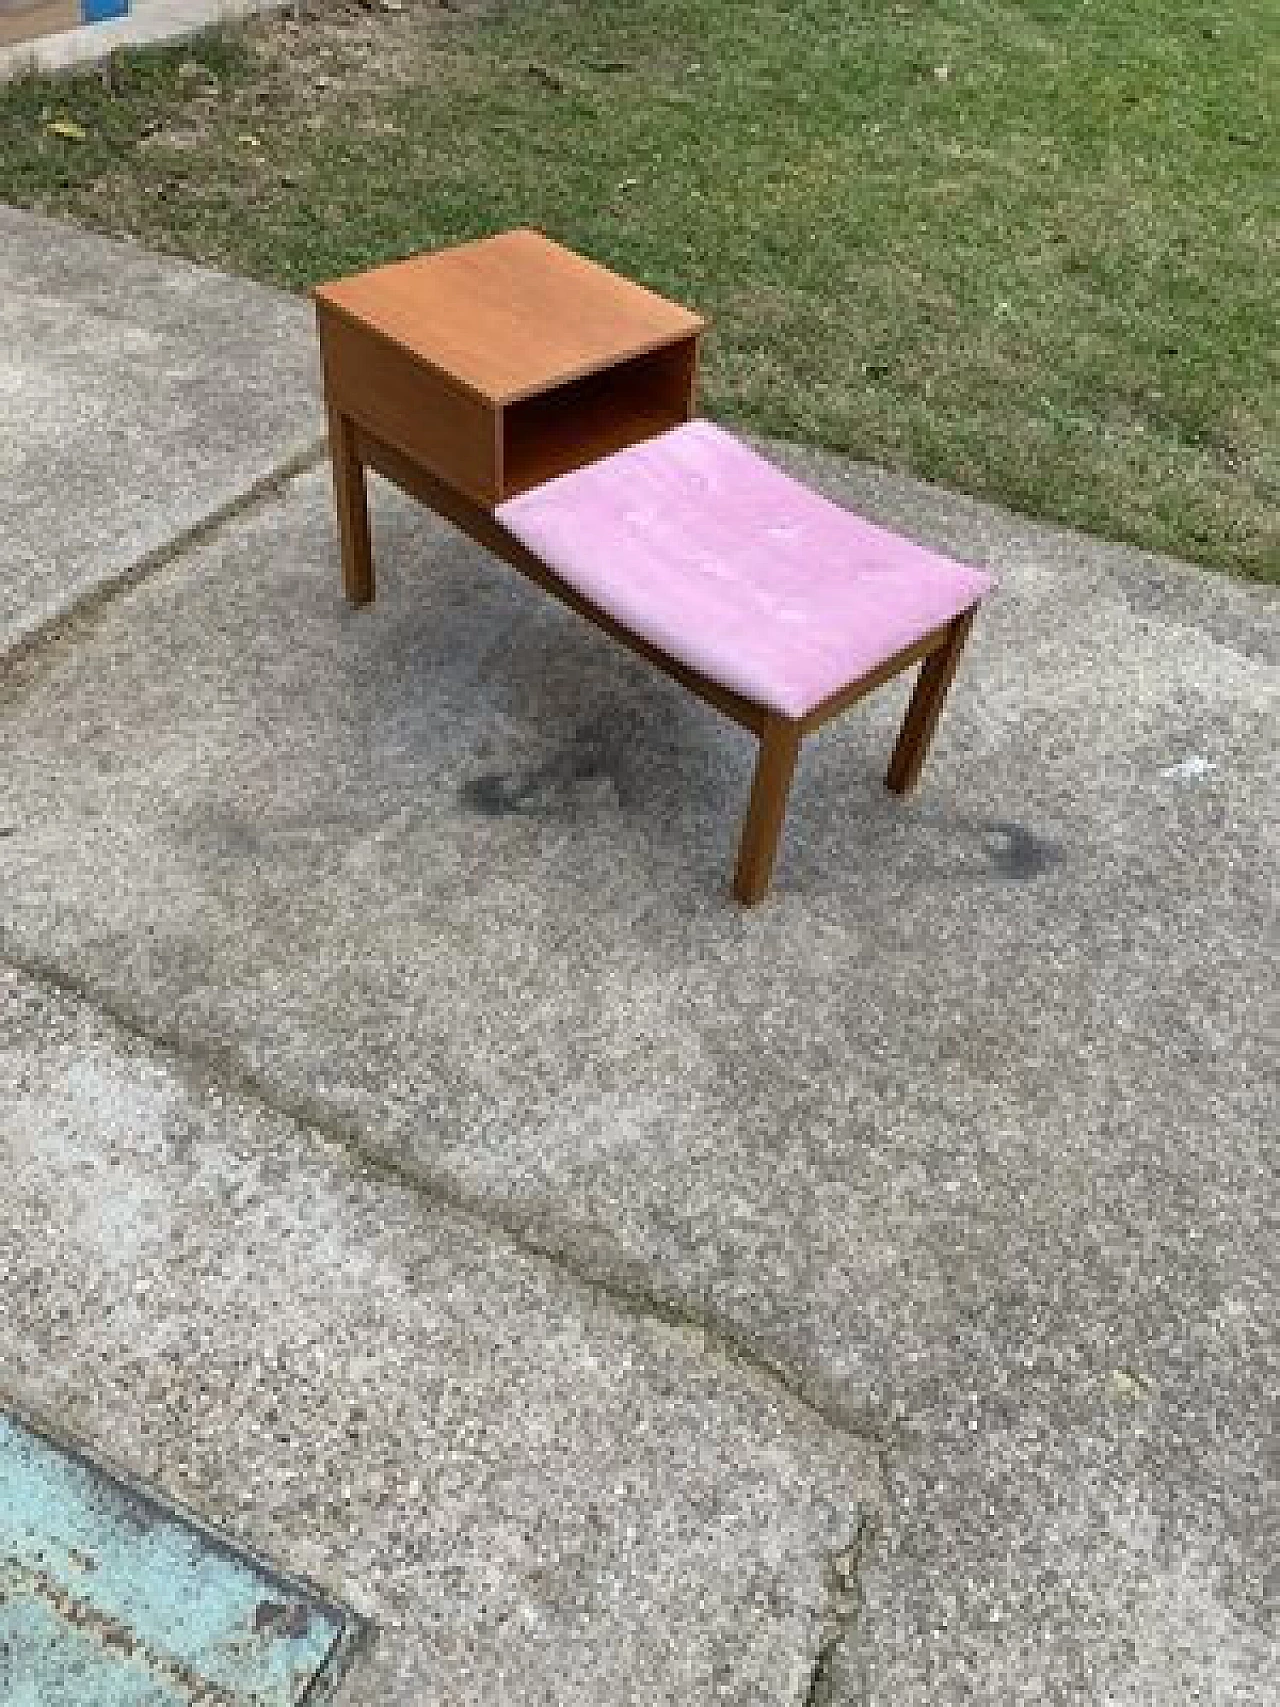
775, 766
936, 674
352, 505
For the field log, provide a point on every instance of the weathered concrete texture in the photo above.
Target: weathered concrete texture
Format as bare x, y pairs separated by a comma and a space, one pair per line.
967, 1129
138, 395
538, 1497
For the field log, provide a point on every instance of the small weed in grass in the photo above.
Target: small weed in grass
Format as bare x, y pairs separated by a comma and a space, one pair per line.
1026, 248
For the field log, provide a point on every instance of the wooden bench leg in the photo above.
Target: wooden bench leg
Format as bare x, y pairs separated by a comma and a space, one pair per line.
775, 766
918, 725
353, 509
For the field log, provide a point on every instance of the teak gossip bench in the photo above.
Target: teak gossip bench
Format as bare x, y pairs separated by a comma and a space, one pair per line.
545, 406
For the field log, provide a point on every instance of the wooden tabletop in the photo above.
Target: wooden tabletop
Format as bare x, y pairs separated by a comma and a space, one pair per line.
509, 316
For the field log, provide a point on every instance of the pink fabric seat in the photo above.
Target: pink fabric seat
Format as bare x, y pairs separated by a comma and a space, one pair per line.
723, 562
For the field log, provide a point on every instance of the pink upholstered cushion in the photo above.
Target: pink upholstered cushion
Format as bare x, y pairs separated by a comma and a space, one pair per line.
723, 562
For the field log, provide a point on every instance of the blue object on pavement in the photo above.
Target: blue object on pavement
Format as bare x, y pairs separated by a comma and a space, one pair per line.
98, 11
109, 1597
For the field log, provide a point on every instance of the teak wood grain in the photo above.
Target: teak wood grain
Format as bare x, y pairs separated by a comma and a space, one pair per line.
588, 418
352, 504
469, 375
506, 362
925, 709
767, 808
510, 316
429, 418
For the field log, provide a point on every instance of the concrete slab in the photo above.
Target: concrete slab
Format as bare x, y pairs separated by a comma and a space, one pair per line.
138, 396
148, 21
539, 1497
966, 1132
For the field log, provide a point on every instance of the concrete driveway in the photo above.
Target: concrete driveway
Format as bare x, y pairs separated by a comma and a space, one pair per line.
416, 1163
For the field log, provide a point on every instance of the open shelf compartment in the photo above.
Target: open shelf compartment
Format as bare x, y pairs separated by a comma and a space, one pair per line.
569, 425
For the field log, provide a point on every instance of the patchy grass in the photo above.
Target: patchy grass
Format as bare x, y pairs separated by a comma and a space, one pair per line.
1027, 248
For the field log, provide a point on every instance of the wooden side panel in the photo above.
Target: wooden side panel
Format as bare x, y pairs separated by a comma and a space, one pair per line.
397, 400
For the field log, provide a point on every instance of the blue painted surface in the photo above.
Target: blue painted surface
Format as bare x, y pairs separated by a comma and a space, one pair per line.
78, 1677
98, 11
109, 1599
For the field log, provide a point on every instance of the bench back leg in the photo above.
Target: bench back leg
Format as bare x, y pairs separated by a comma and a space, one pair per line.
936, 674
775, 766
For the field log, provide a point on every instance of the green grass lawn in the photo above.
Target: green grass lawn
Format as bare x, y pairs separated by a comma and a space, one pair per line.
1027, 248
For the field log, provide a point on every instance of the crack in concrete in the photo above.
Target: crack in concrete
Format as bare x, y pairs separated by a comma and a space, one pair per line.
844, 1607
209, 1066
50, 640
206, 1066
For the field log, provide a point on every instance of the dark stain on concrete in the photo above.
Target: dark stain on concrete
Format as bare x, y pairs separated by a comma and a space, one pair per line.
1018, 853
593, 755
235, 837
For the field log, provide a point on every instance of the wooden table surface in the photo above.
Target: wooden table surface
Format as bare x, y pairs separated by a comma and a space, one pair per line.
510, 316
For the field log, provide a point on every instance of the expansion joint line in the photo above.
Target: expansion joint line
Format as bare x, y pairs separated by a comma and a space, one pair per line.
65, 628
212, 1067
